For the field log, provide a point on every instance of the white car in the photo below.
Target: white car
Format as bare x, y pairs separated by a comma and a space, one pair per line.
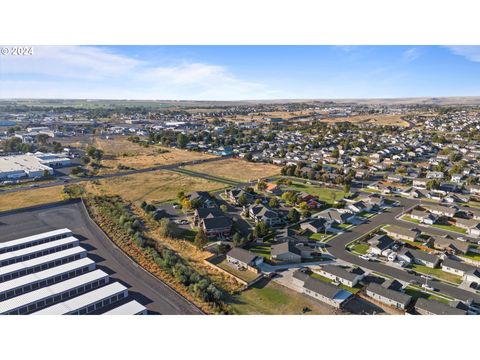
461, 239
365, 257
427, 287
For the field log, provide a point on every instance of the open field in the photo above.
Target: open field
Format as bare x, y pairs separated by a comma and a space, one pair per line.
235, 169
156, 186
15, 200
370, 119
120, 151
325, 194
269, 298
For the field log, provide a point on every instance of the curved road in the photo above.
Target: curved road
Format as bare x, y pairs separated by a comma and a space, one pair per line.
337, 248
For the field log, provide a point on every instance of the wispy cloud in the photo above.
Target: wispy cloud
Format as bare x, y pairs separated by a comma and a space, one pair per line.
471, 52
67, 70
411, 54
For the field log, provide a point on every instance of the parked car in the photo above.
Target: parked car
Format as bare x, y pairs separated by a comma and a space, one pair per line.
461, 239
365, 257
474, 285
428, 287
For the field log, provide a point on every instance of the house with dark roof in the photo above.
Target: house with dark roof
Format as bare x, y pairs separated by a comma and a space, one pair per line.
326, 292
418, 257
349, 277
234, 195
244, 258
448, 211
204, 213
467, 272
315, 225
291, 252
402, 233
299, 277
388, 296
450, 245
203, 198
334, 216
263, 213
217, 227
471, 226
433, 307
380, 243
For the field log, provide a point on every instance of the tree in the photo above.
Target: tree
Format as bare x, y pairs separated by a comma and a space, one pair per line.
186, 204
200, 239
224, 208
248, 156
42, 139
182, 140
261, 229
274, 203
236, 239
76, 171
261, 185
346, 188
293, 216
167, 228
243, 200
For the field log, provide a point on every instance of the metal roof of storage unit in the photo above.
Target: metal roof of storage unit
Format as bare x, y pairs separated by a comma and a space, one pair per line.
37, 249
46, 274
28, 264
82, 301
131, 308
47, 292
25, 241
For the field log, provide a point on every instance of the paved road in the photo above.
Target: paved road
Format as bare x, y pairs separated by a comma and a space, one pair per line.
69, 180
337, 248
145, 288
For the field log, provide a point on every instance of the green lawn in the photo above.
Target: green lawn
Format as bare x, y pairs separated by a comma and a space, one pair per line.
417, 293
269, 298
325, 194
360, 248
439, 273
450, 228
344, 287
408, 218
262, 250
472, 255
319, 236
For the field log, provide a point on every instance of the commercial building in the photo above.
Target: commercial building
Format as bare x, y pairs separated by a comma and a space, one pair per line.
30, 165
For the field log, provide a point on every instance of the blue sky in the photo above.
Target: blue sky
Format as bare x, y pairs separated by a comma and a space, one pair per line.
241, 72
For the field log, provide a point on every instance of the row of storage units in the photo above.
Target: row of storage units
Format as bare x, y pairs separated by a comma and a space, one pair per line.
51, 274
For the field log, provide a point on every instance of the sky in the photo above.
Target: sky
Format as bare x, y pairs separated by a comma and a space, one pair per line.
241, 72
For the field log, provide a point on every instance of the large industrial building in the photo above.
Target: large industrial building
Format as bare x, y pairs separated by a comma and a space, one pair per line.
30, 165
50, 274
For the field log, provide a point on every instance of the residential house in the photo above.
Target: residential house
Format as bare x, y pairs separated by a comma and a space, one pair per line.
420, 183
467, 272
234, 195
435, 175
286, 252
380, 243
202, 198
418, 257
388, 296
204, 213
402, 233
315, 225
326, 292
433, 307
244, 258
450, 245
263, 213
424, 217
334, 216
299, 277
217, 227
448, 211
349, 277
471, 226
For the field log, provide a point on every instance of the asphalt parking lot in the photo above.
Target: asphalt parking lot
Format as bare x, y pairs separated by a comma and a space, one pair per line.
143, 287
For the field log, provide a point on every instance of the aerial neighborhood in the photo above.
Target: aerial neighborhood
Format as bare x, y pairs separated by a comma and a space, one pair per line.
340, 207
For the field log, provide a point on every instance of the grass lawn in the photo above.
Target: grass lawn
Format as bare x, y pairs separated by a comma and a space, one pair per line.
325, 194
319, 236
156, 186
21, 199
344, 287
246, 275
408, 218
236, 169
439, 273
450, 228
417, 293
472, 255
262, 250
361, 248
269, 298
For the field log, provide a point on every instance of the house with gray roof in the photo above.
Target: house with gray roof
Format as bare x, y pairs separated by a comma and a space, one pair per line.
326, 292
380, 243
217, 227
450, 245
244, 258
402, 233
334, 216
433, 307
388, 297
467, 272
349, 277
286, 252
418, 257
263, 213
424, 217
470, 225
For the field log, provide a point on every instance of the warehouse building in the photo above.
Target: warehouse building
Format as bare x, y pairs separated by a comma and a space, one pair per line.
50, 273
30, 165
